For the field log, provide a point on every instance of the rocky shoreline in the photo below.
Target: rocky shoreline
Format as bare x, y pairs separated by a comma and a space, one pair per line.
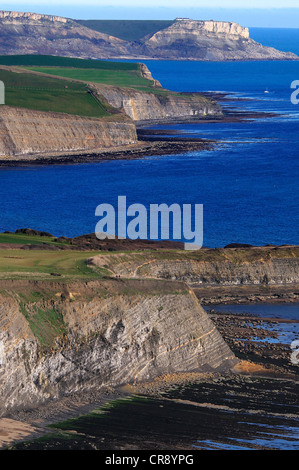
142, 149
264, 383
150, 142
255, 339
244, 295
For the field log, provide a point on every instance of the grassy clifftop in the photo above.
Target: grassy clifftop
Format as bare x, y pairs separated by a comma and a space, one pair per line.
57, 61
98, 89
128, 30
29, 255
62, 84
46, 94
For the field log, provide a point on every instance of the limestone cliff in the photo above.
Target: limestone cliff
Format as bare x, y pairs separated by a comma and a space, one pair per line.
29, 132
208, 40
58, 339
15, 16
159, 106
31, 33
181, 29
215, 267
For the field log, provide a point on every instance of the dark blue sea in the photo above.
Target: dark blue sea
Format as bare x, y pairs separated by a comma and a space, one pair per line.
248, 184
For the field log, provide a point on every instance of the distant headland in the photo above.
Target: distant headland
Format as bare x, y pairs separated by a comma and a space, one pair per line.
180, 39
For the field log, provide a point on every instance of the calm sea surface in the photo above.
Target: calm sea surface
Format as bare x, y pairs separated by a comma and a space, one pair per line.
248, 184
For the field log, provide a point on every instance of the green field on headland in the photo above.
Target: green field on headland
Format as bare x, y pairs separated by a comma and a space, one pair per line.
126, 74
47, 264
44, 258
128, 30
121, 78
58, 61
41, 93
68, 90
28, 254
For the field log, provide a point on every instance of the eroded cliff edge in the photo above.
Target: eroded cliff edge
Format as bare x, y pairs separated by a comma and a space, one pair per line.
25, 132
57, 339
208, 40
218, 275
28, 132
161, 106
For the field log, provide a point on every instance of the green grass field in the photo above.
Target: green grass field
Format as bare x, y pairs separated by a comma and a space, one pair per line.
128, 30
42, 263
47, 265
46, 94
24, 239
57, 61
120, 78
64, 92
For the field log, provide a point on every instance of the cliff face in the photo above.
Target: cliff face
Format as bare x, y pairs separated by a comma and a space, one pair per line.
190, 29
208, 40
142, 106
15, 17
28, 132
223, 267
276, 271
86, 335
30, 33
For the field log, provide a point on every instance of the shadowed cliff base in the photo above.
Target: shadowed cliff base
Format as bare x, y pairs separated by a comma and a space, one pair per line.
150, 143
253, 406
62, 338
144, 148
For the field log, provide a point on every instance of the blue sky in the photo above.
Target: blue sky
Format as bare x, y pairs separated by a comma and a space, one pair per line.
261, 13
173, 3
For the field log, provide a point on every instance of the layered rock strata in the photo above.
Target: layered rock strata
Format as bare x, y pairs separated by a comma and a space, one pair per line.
219, 267
158, 106
29, 132
207, 40
31, 33
81, 336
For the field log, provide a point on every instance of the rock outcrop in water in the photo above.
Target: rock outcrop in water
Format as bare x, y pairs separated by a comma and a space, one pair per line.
30, 33
57, 339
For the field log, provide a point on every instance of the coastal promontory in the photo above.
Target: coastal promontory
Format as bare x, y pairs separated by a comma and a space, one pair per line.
180, 39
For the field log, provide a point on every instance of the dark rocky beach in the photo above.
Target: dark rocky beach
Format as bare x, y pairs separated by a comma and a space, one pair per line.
255, 406
150, 142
